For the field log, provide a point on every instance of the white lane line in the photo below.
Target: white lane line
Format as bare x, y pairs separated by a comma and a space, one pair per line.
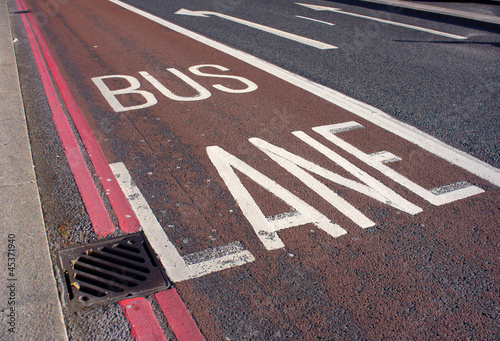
178, 268
280, 33
363, 110
172, 261
394, 23
315, 20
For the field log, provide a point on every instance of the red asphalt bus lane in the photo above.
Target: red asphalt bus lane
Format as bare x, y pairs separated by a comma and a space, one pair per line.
390, 274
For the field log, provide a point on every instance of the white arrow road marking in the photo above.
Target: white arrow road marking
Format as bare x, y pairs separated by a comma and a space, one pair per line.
283, 34
338, 10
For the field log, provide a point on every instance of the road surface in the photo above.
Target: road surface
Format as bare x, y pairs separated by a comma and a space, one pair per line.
291, 175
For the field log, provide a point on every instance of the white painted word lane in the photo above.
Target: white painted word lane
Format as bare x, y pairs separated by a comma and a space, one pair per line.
180, 268
302, 213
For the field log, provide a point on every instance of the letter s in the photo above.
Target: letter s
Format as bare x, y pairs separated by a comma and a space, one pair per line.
251, 86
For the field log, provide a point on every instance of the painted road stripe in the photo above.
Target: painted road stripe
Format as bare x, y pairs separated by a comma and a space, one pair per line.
143, 323
172, 262
178, 317
178, 268
315, 20
126, 219
101, 222
280, 33
365, 111
394, 23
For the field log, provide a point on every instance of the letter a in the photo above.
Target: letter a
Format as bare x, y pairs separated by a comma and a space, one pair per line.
266, 228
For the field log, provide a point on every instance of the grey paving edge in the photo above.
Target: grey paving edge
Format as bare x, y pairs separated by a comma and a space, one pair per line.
30, 308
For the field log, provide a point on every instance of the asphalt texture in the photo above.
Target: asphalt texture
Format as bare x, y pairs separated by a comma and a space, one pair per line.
432, 276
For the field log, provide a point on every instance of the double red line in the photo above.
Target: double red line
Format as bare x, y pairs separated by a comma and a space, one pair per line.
94, 205
138, 311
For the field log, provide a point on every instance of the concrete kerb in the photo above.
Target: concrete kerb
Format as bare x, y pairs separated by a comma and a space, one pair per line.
31, 308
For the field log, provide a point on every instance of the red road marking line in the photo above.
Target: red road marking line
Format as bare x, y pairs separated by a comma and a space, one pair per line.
126, 218
143, 323
178, 317
99, 217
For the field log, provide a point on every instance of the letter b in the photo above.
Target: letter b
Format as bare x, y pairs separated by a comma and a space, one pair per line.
110, 95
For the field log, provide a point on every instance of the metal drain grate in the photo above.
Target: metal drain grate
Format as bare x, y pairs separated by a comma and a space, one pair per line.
110, 271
